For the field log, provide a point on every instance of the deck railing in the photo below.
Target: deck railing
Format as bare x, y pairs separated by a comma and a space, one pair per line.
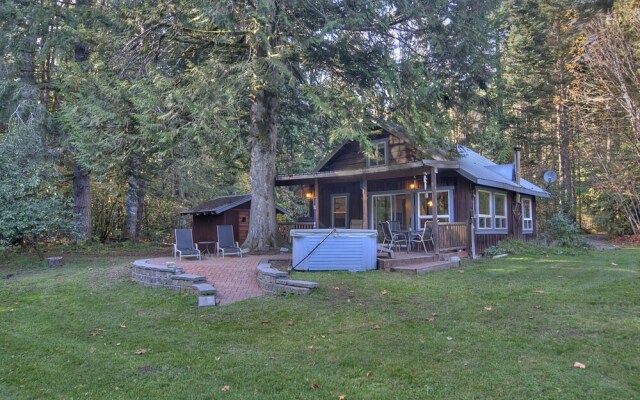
284, 229
453, 236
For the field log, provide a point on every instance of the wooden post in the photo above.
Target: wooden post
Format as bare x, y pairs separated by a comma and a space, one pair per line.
434, 211
316, 208
365, 203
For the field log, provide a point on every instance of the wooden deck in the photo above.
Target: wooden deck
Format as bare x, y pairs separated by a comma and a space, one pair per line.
415, 263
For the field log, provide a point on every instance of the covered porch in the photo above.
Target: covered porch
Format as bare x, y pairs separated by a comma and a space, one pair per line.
411, 194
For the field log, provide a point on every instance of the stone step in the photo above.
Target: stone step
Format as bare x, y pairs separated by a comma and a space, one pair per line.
204, 289
302, 284
190, 277
422, 269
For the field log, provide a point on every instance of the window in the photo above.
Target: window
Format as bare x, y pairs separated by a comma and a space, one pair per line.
527, 215
425, 206
492, 210
339, 208
380, 154
485, 216
500, 205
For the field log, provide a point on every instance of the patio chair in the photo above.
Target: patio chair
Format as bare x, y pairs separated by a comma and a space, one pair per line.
394, 238
425, 236
225, 243
184, 246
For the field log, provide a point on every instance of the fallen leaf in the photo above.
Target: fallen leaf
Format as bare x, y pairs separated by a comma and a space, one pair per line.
140, 351
336, 288
369, 373
226, 388
431, 319
310, 348
461, 271
123, 326
290, 323
488, 308
92, 350
314, 386
579, 365
118, 344
538, 291
265, 322
614, 264
376, 327
217, 358
342, 397
449, 338
383, 293
348, 300
96, 332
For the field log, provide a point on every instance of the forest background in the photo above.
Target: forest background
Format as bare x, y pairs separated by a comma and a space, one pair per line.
115, 115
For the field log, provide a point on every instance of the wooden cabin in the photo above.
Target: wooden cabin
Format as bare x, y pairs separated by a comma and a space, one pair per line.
225, 210
476, 202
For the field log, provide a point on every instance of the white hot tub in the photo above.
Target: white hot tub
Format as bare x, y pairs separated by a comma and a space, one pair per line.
334, 249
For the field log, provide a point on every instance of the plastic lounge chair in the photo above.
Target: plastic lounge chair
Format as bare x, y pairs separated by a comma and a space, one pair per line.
225, 243
395, 238
184, 246
425, 236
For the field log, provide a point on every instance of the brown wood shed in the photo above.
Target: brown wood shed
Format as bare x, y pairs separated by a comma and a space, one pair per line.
225, 210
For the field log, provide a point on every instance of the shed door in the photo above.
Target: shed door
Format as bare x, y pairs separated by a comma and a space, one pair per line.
243, 225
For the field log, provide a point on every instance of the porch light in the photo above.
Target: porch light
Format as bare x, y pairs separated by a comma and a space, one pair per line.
308, 195
413, 184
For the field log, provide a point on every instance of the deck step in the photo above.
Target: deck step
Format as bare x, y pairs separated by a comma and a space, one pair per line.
421, 269
302, 284
388, 263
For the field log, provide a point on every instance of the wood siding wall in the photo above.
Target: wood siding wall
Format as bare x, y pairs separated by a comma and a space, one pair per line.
351, 157
204, 225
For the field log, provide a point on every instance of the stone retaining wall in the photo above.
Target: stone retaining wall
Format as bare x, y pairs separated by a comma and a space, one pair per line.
274, 281
172, 277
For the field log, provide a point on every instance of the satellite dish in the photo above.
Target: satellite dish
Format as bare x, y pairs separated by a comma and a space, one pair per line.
550, 176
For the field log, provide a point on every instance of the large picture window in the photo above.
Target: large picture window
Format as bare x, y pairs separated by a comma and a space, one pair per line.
425, 206
527, 215
339, 211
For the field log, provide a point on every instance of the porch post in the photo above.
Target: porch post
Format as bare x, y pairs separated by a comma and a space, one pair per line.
365, 203
434, 211
316, 208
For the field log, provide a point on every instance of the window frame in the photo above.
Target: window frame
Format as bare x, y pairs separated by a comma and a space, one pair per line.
484, 217
384, 143
443, 218
346, 211
503, 217
527, 223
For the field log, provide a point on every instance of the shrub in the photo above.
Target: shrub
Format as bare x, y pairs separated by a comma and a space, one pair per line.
560, 230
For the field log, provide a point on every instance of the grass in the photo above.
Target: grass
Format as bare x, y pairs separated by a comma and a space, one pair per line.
72, 332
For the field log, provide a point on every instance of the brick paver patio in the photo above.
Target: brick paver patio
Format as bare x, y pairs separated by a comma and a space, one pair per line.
233, 277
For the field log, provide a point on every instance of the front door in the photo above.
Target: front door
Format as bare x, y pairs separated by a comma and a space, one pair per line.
243, 225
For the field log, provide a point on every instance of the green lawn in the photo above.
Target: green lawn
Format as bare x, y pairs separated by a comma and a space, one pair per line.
72, 332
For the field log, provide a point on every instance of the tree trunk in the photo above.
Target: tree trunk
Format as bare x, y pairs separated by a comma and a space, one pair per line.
262, 141
82, 200
81, 179
134, 201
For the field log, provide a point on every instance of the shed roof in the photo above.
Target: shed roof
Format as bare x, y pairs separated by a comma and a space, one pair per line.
221, 204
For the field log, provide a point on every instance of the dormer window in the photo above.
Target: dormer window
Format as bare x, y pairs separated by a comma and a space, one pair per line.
380, 152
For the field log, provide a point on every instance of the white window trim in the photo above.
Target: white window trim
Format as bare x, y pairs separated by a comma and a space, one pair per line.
346, 213
448, 216
527, 221
486, 217
495, 212
377, 143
